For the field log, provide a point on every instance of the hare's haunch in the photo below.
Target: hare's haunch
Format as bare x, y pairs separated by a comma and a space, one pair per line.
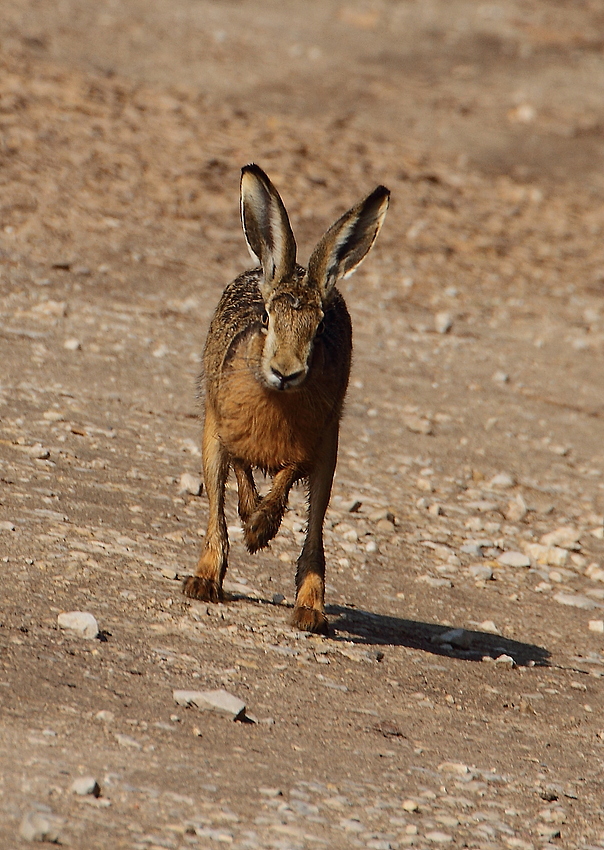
276, 367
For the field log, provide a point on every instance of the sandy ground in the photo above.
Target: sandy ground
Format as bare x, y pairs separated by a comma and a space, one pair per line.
472, 437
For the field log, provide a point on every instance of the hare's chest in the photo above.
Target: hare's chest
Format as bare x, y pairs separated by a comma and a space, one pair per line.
266, 428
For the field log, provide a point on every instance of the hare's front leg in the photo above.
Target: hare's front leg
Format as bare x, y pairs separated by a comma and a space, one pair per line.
262, 525
309, 610
248, 498
206, 584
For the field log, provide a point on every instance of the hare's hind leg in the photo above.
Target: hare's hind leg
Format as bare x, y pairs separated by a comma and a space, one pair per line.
206, 584
264, 522
248, 498
309, 609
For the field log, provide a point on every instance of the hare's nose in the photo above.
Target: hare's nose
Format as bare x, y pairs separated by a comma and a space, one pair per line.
286, 379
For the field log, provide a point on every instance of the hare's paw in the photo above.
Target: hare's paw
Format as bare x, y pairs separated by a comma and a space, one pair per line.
205, 589
310, 620
260, 529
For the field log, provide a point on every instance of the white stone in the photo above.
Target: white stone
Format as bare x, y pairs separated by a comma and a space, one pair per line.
417, 424
454, 767
41, 826
128, 741
516, 509
79, 623
410, 806
514, 559
576, 600
596, 626
438, 837
502, 481
220, 701
443, 322
553, 556
481, 572
565, 536
85, 785
190, 484
505, 661
489, 626
456, 637
72, 344
6, 525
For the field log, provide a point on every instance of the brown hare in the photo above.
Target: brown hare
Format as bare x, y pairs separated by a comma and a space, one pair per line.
276, 365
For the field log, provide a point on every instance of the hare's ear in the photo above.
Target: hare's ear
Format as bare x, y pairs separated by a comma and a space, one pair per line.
347, 242
266, 227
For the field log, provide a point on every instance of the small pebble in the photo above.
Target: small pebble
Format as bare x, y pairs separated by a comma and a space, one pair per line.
566, 536
6, 525
41, 826
128, 741
489, 626
169, 573
79, 623
596, 626
438, 837
481, 572
410, 806
503, 481
576, 600
514, 559
516, 509
72, 344
443, 322
278, 598
220, 701
454, 767
85, 785
191, 484
505, 661
418, 424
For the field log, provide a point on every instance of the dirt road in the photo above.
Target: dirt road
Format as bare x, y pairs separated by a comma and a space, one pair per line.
459, 700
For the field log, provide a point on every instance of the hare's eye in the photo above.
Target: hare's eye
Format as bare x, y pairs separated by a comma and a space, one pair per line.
320, 328
264, 318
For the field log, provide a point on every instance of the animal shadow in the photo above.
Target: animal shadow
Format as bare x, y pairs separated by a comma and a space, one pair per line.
380, 630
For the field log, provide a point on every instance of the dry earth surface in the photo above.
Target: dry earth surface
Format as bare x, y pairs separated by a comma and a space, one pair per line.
471, 448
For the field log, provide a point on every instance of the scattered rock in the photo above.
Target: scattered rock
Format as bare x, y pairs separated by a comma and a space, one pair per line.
576, 600
481, 572
6, 525
554, 556
596, 626
72, 344
505, 661
417, 424
516, 509
566, 536
410, 806
454, 767
85, 785
79, 623
514, 559
128, 741
456, 637
502, 481
489, 626
443, 322
191, 484
438, 837
169, 573
220, 701
41, 826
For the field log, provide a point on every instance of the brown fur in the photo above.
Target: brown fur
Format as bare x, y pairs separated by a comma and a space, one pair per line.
276, 362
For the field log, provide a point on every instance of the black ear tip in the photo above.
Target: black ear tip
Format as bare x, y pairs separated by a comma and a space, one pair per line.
254, 169
381, 192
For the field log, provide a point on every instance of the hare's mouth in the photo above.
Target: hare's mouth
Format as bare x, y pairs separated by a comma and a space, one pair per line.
276, 380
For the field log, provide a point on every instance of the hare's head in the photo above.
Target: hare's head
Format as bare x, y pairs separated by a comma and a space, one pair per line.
295, 299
